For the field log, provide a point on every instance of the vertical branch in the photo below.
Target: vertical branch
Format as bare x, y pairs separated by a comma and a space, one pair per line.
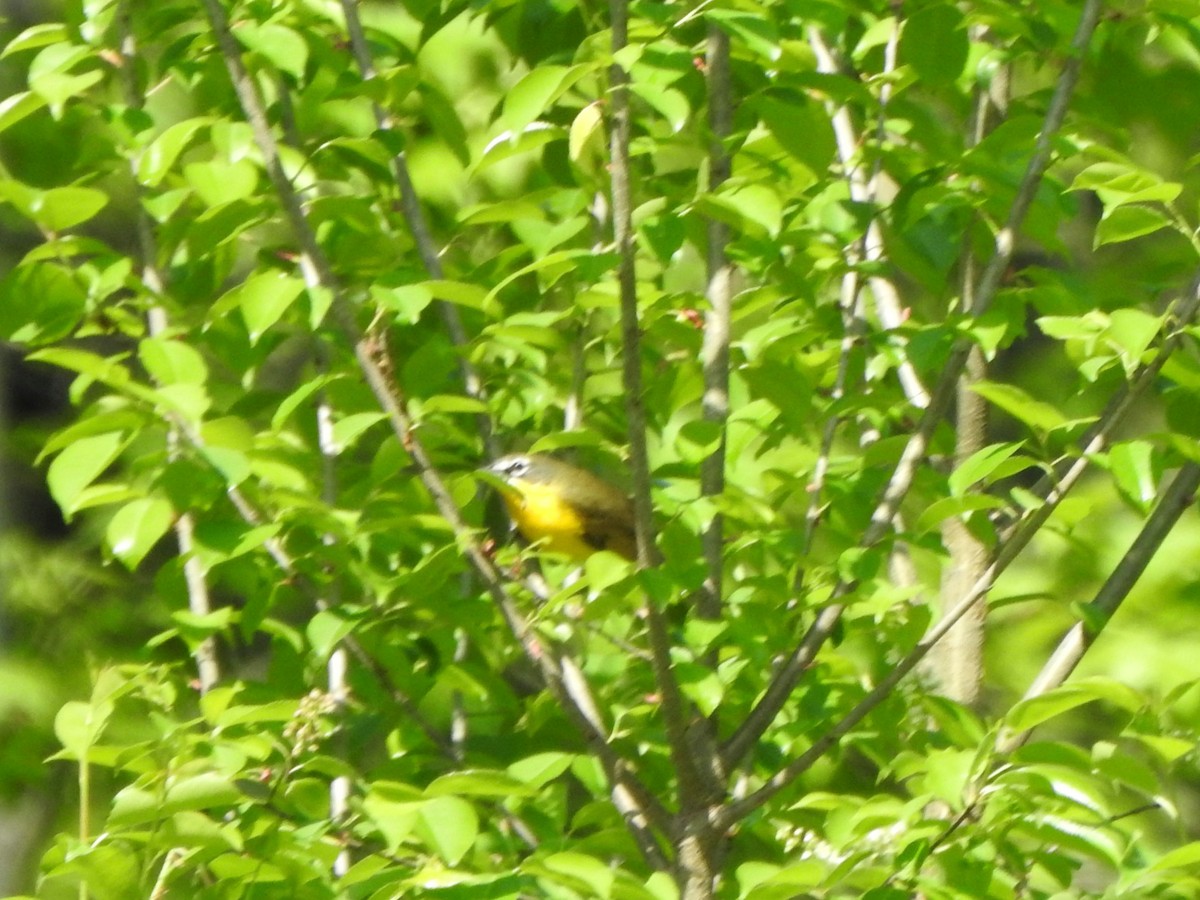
692, 753
631, 334
958, 662
715, 351
208, 671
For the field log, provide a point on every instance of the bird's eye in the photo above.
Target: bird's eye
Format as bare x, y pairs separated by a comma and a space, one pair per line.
516, 467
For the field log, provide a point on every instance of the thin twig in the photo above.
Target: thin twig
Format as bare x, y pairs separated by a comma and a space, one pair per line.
869, 248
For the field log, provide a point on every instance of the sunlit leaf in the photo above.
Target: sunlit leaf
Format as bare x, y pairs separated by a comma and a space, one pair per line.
136, 527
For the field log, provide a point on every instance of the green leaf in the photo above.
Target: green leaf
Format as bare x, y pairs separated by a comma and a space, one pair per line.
1080, 328
558, 262
698, 439
1167, 747
1118, 183
233, 465
508, 144
219, 183
671, 104
535, 92
477, 783
1133, 332
700, 685
1034, 711
256, 714
394, 809
281, 46
326, 629
37, 36
1133, 468
751, 29
442, 115
349, 428
460, 293
56, 88
1081, 838
78, 725
585, 139
451, 404
158, 158
577, 871
1128, 222
135, 805
221, 543
753, 208
541, 768
170, 361
40, 304
949, 507
1037, 414
800, 126
79, 465
934, 42
605, 570
197, 627
991, 462
448, 826
137, 527
264, 298
300, 395
16, 107
1185, 857
57, 208
407, 301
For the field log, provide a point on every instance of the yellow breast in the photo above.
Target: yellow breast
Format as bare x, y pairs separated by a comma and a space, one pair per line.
543, 518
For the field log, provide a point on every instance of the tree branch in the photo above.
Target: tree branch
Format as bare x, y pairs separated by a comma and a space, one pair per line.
674, 708
958, 663
715, 350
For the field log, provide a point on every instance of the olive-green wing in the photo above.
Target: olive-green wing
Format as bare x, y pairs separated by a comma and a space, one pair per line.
607, 519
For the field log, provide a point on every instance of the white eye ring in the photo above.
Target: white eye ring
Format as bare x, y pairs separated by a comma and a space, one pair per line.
516, 467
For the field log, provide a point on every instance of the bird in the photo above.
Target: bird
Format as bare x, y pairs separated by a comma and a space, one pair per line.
563, 508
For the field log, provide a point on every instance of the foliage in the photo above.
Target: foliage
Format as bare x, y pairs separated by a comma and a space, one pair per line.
287, 364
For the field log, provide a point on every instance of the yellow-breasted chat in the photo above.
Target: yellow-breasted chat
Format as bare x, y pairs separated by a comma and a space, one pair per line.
563, 508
